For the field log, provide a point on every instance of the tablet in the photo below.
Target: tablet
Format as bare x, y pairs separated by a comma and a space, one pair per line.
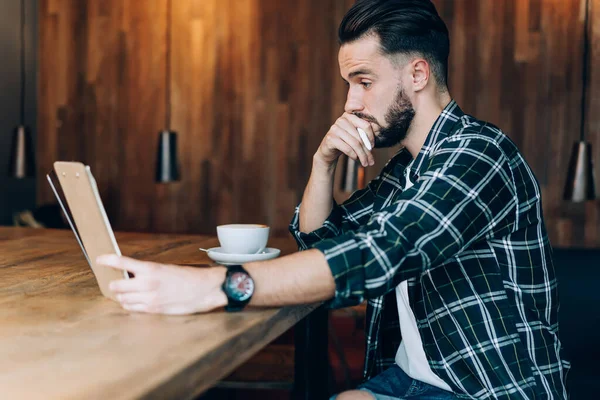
77, 193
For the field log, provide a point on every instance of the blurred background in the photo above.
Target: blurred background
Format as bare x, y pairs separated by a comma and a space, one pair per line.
251, 87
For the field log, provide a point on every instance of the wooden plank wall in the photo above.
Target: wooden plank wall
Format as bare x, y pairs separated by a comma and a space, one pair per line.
251, 86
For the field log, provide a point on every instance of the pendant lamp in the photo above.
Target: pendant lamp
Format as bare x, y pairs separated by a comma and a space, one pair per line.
22, 163
167, 164
580, 184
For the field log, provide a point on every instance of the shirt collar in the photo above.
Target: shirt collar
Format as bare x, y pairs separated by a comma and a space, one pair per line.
444, 126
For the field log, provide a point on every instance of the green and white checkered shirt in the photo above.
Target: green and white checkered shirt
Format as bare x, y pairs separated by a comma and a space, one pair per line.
469, 237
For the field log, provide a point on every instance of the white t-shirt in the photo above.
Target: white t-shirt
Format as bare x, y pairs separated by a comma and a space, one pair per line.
410, 355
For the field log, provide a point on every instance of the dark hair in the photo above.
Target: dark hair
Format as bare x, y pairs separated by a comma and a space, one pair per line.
403, 27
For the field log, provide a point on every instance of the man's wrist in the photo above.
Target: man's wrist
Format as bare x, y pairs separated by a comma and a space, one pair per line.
217, 297
323, 167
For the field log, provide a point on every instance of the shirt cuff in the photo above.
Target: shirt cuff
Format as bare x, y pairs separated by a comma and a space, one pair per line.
330, 228
345, 259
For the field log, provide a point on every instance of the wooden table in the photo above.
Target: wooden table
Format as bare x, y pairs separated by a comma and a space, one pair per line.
60, 339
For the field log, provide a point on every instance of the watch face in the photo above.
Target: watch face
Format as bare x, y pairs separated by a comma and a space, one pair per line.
240, 286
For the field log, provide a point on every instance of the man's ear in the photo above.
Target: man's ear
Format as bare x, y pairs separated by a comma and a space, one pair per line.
420, 73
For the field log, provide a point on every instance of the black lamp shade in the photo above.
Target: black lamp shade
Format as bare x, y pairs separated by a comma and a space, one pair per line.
349, 175
22, 163
167, 167
580, 179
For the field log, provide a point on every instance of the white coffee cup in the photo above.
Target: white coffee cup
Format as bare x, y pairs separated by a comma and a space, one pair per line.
243, 238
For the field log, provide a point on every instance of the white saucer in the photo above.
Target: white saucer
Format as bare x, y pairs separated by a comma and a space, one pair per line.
216, 254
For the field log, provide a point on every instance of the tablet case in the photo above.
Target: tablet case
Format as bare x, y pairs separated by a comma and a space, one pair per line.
86, 215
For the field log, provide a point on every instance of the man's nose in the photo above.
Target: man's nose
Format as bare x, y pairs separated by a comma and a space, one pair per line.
353, 103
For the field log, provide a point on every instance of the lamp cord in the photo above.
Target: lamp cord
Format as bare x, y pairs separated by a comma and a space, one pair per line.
168, 70
586, 50
22, 66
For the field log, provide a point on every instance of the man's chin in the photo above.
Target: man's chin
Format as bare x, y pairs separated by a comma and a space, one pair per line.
387, 142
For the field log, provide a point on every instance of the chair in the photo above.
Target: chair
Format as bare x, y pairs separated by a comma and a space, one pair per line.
578, 274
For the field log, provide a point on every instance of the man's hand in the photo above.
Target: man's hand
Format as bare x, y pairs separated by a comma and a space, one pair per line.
343, 137
166, 289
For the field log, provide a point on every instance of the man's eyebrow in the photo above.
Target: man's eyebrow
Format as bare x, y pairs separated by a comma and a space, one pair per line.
360, 72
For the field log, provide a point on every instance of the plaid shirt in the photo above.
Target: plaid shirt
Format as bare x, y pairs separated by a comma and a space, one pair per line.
469, 237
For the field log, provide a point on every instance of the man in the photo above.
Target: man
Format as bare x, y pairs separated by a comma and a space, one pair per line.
447, 244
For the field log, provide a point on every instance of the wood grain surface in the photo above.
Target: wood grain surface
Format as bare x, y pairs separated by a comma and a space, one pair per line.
60, 339
254, 85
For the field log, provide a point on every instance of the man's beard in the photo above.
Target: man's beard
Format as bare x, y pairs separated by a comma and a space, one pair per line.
398, 119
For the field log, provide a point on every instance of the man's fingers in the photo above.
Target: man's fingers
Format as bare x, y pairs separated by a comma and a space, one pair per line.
348, 126
344, 148
352, 128
361, 130
124, 263
132, 285
366, 126
136, 297
354, 142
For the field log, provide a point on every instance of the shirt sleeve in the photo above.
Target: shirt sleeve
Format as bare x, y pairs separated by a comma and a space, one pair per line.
343, 218
465, 194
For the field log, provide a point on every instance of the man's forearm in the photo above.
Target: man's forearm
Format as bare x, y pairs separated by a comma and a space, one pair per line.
317, 200
300, 278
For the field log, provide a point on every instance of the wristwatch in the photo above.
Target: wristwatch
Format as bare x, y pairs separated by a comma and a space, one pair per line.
238, 287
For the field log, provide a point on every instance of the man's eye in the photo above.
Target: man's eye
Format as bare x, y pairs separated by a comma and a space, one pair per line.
366, 85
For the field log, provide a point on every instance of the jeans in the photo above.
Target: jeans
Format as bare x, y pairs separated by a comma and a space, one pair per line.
394, 384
